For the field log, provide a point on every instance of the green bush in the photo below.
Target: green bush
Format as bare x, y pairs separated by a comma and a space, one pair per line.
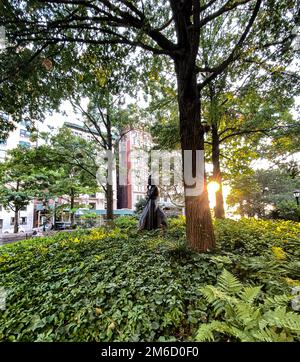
238, 315
139, 206
126, 222
118, 284
287, 210
251, 236
100, 286
176, 227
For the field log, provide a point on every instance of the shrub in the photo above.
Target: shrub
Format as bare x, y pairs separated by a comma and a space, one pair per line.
176, 227
117, 284
139, 206
253, 236
238, 315
287, 210
102, 285
126, 222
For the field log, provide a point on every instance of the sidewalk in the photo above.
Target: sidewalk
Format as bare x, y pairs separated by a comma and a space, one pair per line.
13, 238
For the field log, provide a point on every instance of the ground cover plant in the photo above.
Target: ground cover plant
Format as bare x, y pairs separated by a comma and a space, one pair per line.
118, 284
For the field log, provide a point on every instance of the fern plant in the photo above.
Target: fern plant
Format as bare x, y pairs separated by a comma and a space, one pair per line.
239, 316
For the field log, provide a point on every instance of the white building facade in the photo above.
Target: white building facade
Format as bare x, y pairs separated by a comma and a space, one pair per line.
20, 136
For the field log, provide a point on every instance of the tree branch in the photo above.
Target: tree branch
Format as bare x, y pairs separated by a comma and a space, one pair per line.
94, 123
206, 6
233, 56
224, 9
249, 131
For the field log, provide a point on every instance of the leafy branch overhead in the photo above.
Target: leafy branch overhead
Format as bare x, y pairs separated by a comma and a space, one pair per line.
55, 27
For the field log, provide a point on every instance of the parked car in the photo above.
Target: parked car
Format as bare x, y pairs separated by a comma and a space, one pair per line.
37, 234
41, 228
62, 225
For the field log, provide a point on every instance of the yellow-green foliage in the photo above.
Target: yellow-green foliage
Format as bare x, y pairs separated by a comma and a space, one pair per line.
278, 252
252, 234
120, 284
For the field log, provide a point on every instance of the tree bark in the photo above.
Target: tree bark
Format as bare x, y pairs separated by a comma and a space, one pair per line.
16, 221
217, 175
242, 211
110, 202
199, 228
109, 185
72, 201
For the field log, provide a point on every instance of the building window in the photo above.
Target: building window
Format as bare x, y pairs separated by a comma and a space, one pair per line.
24, 133
12, 220
24, 208
4, 117
23, 221
0, 207
136, 141
26, 123
139, 197
24, 144
1, 224
92, 206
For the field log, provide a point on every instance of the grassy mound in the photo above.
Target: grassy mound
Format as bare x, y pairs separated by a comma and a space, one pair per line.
122, 285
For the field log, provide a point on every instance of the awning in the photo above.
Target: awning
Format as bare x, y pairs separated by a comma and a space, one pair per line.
40, 207
80, 212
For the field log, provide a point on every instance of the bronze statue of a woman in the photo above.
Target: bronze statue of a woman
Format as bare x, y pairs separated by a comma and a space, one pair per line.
152, 216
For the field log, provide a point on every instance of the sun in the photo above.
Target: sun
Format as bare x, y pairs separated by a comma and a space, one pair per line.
212, 188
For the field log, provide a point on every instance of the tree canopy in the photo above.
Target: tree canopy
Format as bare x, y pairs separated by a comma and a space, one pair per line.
19, 184
44, 33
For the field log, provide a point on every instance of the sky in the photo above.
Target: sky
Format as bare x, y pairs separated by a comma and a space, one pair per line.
58, 118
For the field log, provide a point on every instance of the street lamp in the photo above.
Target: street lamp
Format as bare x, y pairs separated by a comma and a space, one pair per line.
296, 195
54, 212
44, 215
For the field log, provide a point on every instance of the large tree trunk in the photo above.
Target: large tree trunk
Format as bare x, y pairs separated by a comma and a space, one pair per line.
72, 202
242, 211
109, 185
16, 221
16, 209
199, 228
217, 175
110, 202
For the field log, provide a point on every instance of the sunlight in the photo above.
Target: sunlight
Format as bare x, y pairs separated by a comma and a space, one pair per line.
212, 188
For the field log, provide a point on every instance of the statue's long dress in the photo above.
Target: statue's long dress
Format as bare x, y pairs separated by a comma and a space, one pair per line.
152, 216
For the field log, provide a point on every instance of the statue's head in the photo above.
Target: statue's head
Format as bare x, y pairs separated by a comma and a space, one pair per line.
150, 180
